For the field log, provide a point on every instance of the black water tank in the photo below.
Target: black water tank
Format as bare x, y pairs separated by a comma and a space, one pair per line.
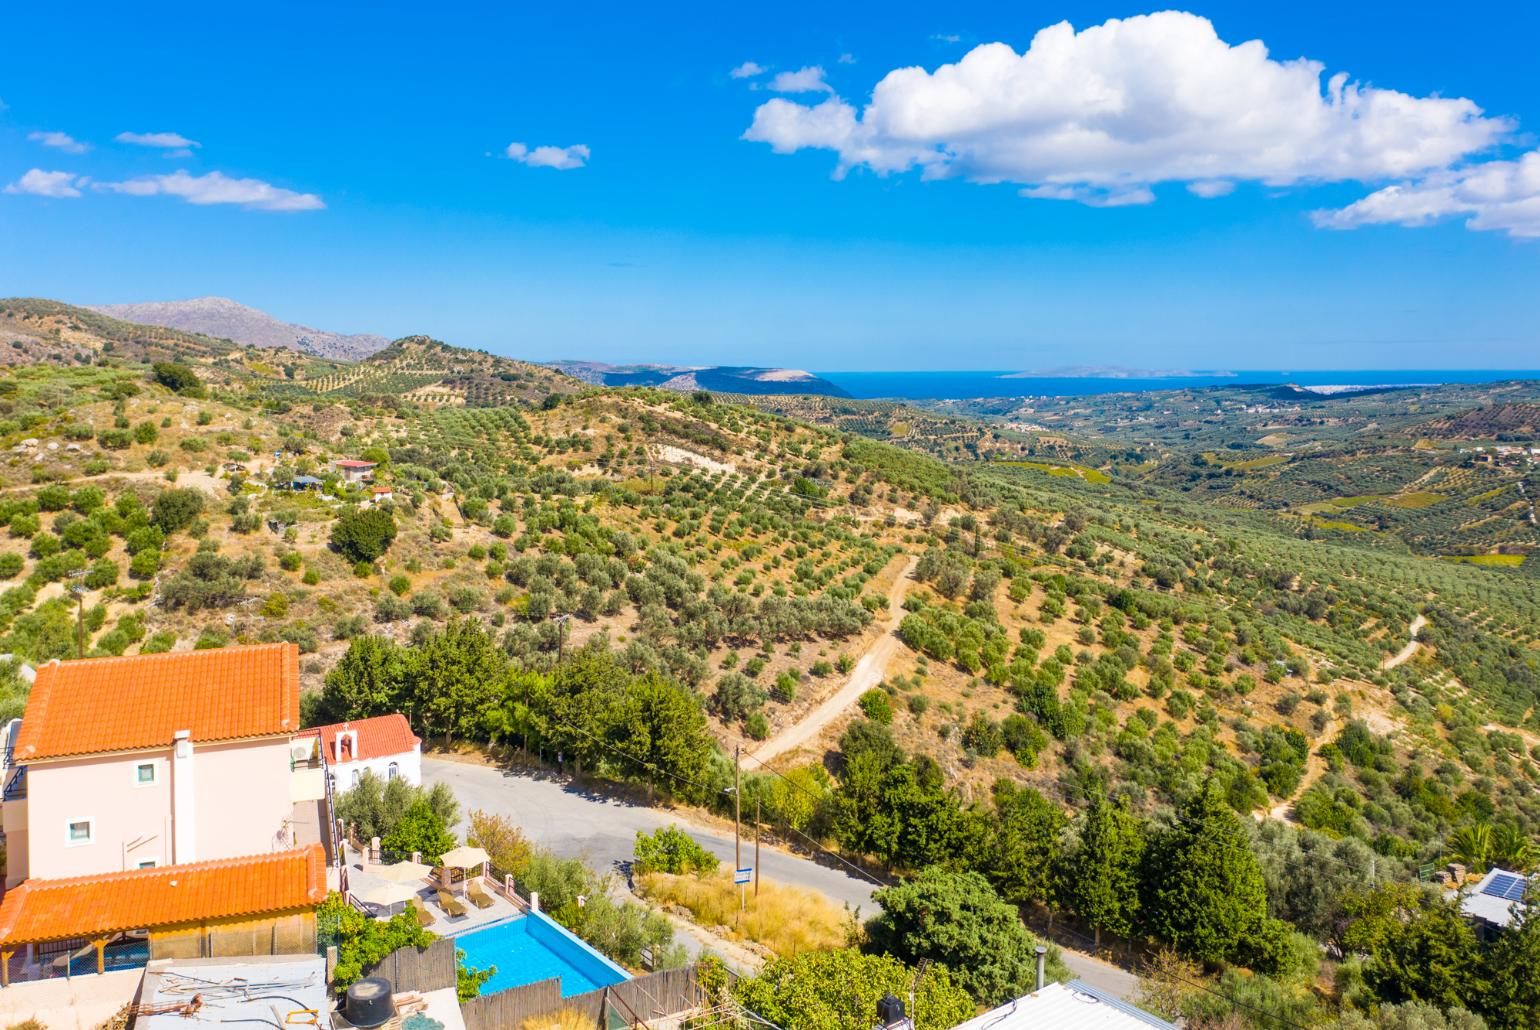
889, 1010
368, 1002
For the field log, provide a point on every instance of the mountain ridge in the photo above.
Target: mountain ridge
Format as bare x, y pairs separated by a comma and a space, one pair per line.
221, 317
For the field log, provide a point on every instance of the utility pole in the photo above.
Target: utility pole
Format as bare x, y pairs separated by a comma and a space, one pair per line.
738, 824
756, 847
78, 589
561, 635
737, 808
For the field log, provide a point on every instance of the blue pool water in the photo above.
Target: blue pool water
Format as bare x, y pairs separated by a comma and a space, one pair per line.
536, 948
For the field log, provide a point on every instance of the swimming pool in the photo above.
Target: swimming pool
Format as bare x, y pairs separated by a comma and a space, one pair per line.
534, 948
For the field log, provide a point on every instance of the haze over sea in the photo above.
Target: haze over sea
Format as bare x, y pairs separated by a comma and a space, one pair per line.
952, 384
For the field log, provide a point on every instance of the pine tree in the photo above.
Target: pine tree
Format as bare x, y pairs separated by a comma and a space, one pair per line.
1101, 877
1203, 887
1511, 996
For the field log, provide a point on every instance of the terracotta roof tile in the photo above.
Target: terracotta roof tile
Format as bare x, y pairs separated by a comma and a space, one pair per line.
84, 906
93, 705
377, 737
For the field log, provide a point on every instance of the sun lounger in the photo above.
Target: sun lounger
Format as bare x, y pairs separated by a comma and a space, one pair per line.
424, 918
451, 905
479, 897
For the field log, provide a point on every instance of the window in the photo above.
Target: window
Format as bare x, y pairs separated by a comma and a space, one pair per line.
392, 771
356, 775
144, 774
80, 831
148, 863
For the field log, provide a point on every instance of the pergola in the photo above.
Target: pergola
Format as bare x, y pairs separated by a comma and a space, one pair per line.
465, 858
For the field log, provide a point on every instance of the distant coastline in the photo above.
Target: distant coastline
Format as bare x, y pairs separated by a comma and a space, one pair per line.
1009, 383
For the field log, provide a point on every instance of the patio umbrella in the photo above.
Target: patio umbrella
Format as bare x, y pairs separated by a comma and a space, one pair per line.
401, 872
464, 858
381, 892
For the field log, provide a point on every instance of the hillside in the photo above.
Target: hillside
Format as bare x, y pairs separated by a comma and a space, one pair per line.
225, 319
1514, 422
33, 329
415, 371
1417, 469
914, 655
717, 378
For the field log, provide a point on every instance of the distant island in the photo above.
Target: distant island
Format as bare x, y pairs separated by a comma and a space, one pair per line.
720, 378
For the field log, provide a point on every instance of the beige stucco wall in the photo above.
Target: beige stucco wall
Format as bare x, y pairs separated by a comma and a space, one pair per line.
103, 790
240, 804
243, 798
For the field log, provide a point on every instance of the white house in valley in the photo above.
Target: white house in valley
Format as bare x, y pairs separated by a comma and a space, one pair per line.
384, 745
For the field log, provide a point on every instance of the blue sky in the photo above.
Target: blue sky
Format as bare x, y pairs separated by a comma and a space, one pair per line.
352, 172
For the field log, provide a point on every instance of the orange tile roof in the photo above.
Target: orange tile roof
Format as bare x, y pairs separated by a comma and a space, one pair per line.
377, 737
86, 906
93, 705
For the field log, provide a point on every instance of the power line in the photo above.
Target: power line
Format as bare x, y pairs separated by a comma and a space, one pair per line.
709, 791
1180, 817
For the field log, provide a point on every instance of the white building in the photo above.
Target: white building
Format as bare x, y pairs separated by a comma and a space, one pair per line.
1072, 1006
1497, 900
384, 745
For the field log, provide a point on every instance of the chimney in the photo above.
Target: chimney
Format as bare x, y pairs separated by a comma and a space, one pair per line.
1042, 954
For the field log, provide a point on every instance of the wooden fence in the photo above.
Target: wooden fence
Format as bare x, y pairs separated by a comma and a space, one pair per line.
667, 993
408, 969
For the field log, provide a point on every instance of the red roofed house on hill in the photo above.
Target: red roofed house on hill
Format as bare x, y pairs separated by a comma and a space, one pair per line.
354, 471
384, 745
124, 768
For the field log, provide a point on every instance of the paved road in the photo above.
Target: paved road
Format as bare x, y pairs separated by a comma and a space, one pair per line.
602, 831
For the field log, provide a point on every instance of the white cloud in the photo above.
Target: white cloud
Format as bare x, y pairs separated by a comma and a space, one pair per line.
1092, 197
217, 188
846, 59
48, 184
803, 80
59, 141
946, 37
748, 70
1102, 115
1210, 188
1496, 195
163, 140
559, 158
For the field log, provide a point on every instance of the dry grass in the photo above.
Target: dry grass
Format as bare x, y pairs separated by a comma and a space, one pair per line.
787, 920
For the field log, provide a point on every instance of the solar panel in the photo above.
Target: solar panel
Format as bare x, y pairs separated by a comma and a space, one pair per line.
1509, 888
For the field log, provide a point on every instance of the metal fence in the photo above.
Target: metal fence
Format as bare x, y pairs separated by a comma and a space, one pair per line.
668, 993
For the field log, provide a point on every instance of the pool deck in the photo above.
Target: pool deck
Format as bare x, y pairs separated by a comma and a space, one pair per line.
501, 909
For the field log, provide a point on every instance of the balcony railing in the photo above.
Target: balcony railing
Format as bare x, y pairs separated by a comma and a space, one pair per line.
16, 787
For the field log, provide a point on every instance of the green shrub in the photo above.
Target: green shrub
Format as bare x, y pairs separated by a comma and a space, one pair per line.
670, 849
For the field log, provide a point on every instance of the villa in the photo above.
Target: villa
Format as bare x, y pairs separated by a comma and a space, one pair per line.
172, 793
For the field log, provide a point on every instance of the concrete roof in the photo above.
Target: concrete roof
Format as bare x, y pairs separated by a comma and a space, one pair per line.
1072, 1006
265, 988
1493, 900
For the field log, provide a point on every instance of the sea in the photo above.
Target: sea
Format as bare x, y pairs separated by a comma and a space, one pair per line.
932, 385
